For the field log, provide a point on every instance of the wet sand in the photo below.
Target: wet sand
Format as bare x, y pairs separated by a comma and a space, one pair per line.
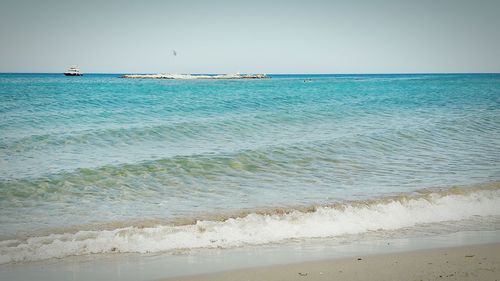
476, 262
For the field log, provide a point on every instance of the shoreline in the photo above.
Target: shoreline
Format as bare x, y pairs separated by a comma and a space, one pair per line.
203, 264
472, 262
261, 227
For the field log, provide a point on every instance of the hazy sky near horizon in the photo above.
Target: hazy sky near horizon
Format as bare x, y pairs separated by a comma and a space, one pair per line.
386, 36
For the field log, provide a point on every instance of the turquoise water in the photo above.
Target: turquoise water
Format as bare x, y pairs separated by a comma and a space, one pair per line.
100, 149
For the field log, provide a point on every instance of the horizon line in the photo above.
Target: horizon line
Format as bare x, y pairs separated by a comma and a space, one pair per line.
319, 73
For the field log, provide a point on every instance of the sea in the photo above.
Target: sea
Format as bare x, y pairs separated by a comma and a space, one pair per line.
98, 165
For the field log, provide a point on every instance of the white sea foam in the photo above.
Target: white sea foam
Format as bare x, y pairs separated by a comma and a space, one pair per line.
255, 228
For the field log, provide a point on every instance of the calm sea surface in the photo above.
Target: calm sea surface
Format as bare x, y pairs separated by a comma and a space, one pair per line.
99, 149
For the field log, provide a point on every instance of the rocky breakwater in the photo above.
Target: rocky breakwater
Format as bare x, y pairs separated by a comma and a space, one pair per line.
192, 76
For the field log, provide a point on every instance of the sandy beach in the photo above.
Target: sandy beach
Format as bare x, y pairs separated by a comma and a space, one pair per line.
476, 262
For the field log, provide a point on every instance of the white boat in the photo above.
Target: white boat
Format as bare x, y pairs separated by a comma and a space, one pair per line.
73, 71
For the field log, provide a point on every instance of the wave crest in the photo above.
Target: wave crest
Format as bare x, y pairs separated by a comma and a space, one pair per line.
265, 227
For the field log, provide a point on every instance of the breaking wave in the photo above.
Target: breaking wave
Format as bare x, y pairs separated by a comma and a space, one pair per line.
266, 226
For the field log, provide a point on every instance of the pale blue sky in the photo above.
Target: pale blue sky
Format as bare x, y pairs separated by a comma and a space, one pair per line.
386, 36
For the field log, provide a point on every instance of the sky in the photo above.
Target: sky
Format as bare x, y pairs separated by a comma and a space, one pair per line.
317, 36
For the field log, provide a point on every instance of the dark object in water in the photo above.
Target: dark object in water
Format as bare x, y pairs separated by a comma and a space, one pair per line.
73, 71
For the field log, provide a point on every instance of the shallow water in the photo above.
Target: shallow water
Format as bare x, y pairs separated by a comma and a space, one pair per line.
82, 152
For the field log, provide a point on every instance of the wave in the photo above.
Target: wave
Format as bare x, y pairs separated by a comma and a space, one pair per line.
266, 226
206, 134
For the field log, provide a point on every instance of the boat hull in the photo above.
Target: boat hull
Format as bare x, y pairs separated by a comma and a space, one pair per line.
73, 74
